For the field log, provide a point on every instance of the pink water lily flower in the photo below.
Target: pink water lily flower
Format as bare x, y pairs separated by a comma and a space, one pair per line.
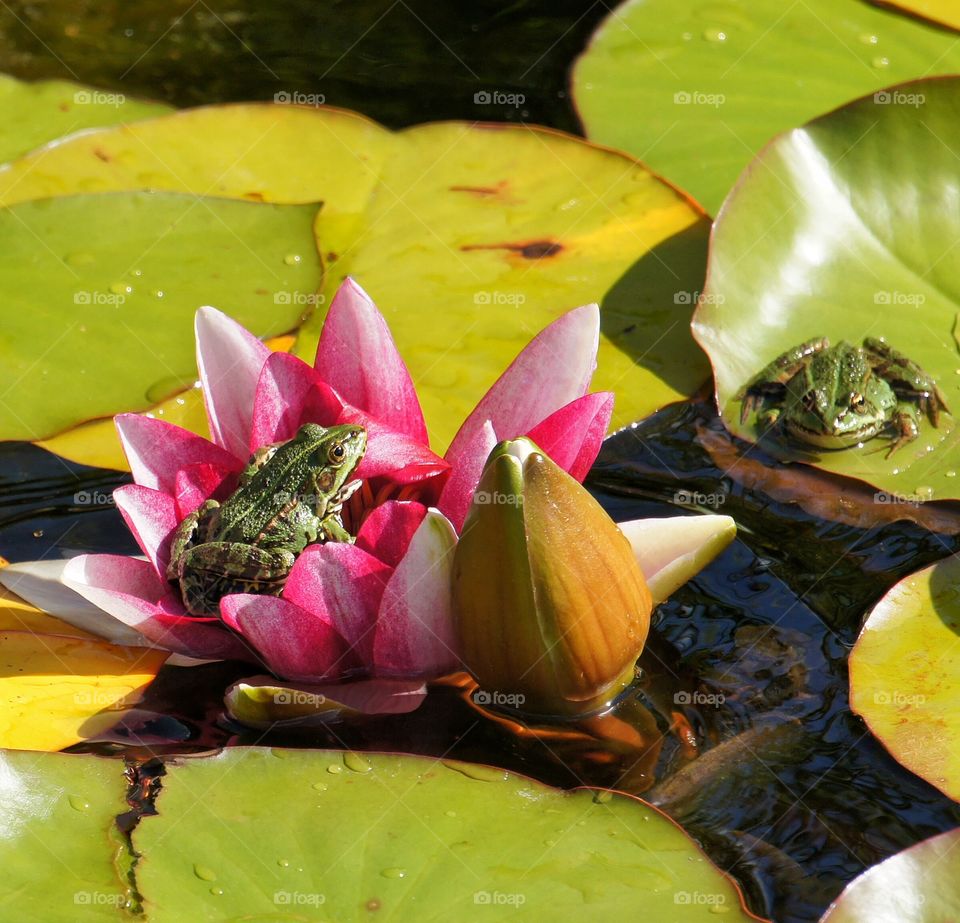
379, 607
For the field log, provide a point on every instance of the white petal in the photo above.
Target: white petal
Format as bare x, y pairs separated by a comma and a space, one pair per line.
38, 582
671, 551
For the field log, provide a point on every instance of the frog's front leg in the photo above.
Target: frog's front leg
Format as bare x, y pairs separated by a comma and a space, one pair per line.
771, 379
332, 530
906, 378
186, 534
906, 425
213, 570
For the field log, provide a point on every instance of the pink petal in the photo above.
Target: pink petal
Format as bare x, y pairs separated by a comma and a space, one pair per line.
387, 531
458, 491
358, 357
229, 359
343, 585
392, 455
197, 483
157, 450
553, 369
130, 590
415, 634
289, 393
151, 516
572, 435
295, 644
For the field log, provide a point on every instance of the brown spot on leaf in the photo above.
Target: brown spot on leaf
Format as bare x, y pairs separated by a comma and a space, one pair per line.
529, 250
331, 257
373, 904
102, 154
255, 196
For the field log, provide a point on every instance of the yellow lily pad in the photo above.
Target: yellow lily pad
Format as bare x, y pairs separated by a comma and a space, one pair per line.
942, 12
56, 690
470, 238
905, 674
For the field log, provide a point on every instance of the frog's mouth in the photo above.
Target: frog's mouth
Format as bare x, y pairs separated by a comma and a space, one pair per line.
835, 440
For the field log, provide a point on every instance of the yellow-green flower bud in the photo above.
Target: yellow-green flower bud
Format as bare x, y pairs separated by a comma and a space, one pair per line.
551, 607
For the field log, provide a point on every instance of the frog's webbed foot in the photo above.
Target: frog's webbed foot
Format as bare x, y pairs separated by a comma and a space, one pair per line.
332, 530
770, 381
907, 379
906, 426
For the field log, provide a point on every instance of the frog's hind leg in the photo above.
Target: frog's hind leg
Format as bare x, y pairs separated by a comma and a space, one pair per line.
907, 379
771, 380
216, 569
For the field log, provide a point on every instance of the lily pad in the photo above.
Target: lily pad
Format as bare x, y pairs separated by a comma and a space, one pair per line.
100, 292
905, 674
387, 834
919, 885
63, 859
942, 12
35, 113
843, 229
695, 90
56, 690
470, 238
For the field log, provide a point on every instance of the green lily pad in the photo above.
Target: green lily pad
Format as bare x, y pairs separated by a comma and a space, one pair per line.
844, 229
35, 113
100, 292
289, 835
905, 674
62, 855
695, 90
919, 885
470, 238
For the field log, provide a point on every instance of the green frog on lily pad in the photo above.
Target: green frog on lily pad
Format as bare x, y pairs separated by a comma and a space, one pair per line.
833, 397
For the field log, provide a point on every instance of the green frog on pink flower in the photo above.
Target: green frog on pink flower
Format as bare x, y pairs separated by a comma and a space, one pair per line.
289, 496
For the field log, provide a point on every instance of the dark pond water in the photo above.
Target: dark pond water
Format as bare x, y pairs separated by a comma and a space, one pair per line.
746, 665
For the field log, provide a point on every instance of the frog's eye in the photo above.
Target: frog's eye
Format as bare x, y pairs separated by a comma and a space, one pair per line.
858, 403
336, 453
